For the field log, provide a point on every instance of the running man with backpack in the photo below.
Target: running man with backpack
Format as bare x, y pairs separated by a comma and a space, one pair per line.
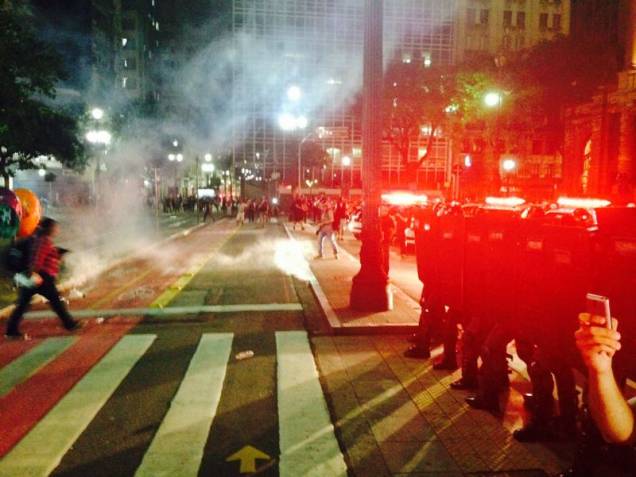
41, 267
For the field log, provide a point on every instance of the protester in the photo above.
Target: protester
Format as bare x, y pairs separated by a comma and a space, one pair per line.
387, 231
263, 211
325, 230
340, 218
44, 269
240, 212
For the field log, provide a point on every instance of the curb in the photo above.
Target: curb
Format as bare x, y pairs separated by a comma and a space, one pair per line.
68, 284
331, 316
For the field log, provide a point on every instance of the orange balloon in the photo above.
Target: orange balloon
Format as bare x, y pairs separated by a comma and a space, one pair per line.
31, 212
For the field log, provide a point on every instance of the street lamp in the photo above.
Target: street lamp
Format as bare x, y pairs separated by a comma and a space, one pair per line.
509, 165
208, 157
493, 99
99, 137
171, 157
294, 93
97, 113
179, 157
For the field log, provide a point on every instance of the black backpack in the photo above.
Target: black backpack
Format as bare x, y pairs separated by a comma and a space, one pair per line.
18, 257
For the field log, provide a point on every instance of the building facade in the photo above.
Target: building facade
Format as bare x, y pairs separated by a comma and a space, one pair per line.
125, 43
600, 140
299, 70
313, 50
503, 27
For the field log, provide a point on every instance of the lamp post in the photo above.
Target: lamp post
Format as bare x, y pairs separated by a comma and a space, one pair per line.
98, 138
344, 162
369, 290
300, 159
493, 100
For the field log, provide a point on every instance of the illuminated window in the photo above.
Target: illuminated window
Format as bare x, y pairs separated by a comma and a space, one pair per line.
124, 41
406, 58
124, 82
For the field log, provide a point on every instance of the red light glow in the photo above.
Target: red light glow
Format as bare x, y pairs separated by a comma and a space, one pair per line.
404, 198
578, 203
505, 201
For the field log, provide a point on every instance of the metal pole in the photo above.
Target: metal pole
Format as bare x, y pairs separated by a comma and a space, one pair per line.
369, 290
196, 191
300, 152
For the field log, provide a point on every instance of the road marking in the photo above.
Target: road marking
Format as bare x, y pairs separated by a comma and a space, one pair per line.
308, 444
173, 290
174, 310
248, 456
177, 448
29, 363
41, 451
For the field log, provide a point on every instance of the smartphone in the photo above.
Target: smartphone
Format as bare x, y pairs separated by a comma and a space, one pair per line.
600, 305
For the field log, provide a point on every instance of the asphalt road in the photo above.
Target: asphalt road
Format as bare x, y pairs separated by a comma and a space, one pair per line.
154, 394
240, 268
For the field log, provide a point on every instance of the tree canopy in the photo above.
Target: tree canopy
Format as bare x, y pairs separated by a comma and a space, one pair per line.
30, 125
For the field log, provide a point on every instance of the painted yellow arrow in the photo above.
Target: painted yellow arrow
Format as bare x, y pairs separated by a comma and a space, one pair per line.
248, 456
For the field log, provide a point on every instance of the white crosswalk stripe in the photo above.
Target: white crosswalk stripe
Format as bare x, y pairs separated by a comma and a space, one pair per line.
41, 451
308, 443
177, 448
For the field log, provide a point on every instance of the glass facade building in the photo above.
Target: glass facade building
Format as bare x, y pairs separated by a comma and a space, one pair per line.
297, 77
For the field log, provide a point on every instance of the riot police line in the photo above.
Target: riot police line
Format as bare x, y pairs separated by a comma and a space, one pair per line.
509, 272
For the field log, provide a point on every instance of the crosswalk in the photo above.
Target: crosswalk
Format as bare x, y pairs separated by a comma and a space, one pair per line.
307, 441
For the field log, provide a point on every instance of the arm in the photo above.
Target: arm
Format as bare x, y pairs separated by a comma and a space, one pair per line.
609, 408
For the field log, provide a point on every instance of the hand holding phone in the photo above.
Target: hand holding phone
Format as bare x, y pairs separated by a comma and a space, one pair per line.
598, 305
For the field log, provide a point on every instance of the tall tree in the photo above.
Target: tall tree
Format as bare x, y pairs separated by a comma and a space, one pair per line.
30, 125
417, 101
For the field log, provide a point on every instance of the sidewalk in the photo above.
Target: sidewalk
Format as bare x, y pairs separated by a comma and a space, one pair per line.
331, 284
397, 416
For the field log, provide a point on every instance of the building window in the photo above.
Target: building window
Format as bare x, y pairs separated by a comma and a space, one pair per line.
124, 42
471, 16
130, 63
521, 20
507, 42
124, 82
406, 58
507, 18
543, 21
556, 22
483, 16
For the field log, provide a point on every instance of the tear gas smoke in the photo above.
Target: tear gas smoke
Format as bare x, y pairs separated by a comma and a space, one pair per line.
202, 107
